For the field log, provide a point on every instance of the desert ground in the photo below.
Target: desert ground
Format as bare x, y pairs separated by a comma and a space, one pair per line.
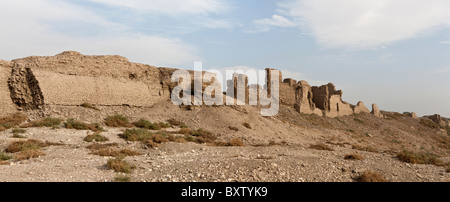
239, 146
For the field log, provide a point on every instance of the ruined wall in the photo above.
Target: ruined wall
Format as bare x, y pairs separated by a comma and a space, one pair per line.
6, 104
72, 79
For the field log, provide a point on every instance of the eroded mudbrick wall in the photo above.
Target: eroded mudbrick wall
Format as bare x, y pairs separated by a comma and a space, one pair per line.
71, 79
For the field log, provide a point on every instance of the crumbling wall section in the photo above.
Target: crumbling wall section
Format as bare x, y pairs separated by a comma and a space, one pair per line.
24, 88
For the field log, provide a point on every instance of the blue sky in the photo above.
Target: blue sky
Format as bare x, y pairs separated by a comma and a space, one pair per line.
395, 53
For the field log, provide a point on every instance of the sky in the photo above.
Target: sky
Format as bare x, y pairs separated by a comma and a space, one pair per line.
395, 53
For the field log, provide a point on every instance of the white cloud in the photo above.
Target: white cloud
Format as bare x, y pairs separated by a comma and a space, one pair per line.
276, 21
172, 7
445, 42
31, 28
366, 23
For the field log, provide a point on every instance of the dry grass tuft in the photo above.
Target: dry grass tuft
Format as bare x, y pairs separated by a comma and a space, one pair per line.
78, 125
97, 146
247, 125
20, 146
236, 142
233, 128
29, 154
142, 123
353, 157
7, 122
118, 121
115, 153
119, 165
419, 158
47, 122
321, 146
367, 148
370, 176
96, 137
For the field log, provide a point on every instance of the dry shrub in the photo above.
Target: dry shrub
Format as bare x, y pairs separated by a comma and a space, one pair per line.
25, 145
236, 142
353, 157
233, 128
150, 143
367, 148
115, 153
4, 157
321, 146
185, 131
203, 136
175, 122
370, 176
118, 121
78, 125
96, 137
29, 154
142, 123
136, 134
47, 122
419, 158
247, 125
7, 122
120, 165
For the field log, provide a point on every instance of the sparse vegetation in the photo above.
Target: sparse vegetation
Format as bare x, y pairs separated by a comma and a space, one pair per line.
97, 146
20, 146
29, 154
419, 158
175, 122
247, 125
78, 125
236, 142
17, 131
47, 122
97, 137
4, 156
136, 134
11, 121
89, 106
142, 123
118, 121
353, 156
118, 164
321, 146
28, 149
233, 128
115, 153
366, 148
370, 176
